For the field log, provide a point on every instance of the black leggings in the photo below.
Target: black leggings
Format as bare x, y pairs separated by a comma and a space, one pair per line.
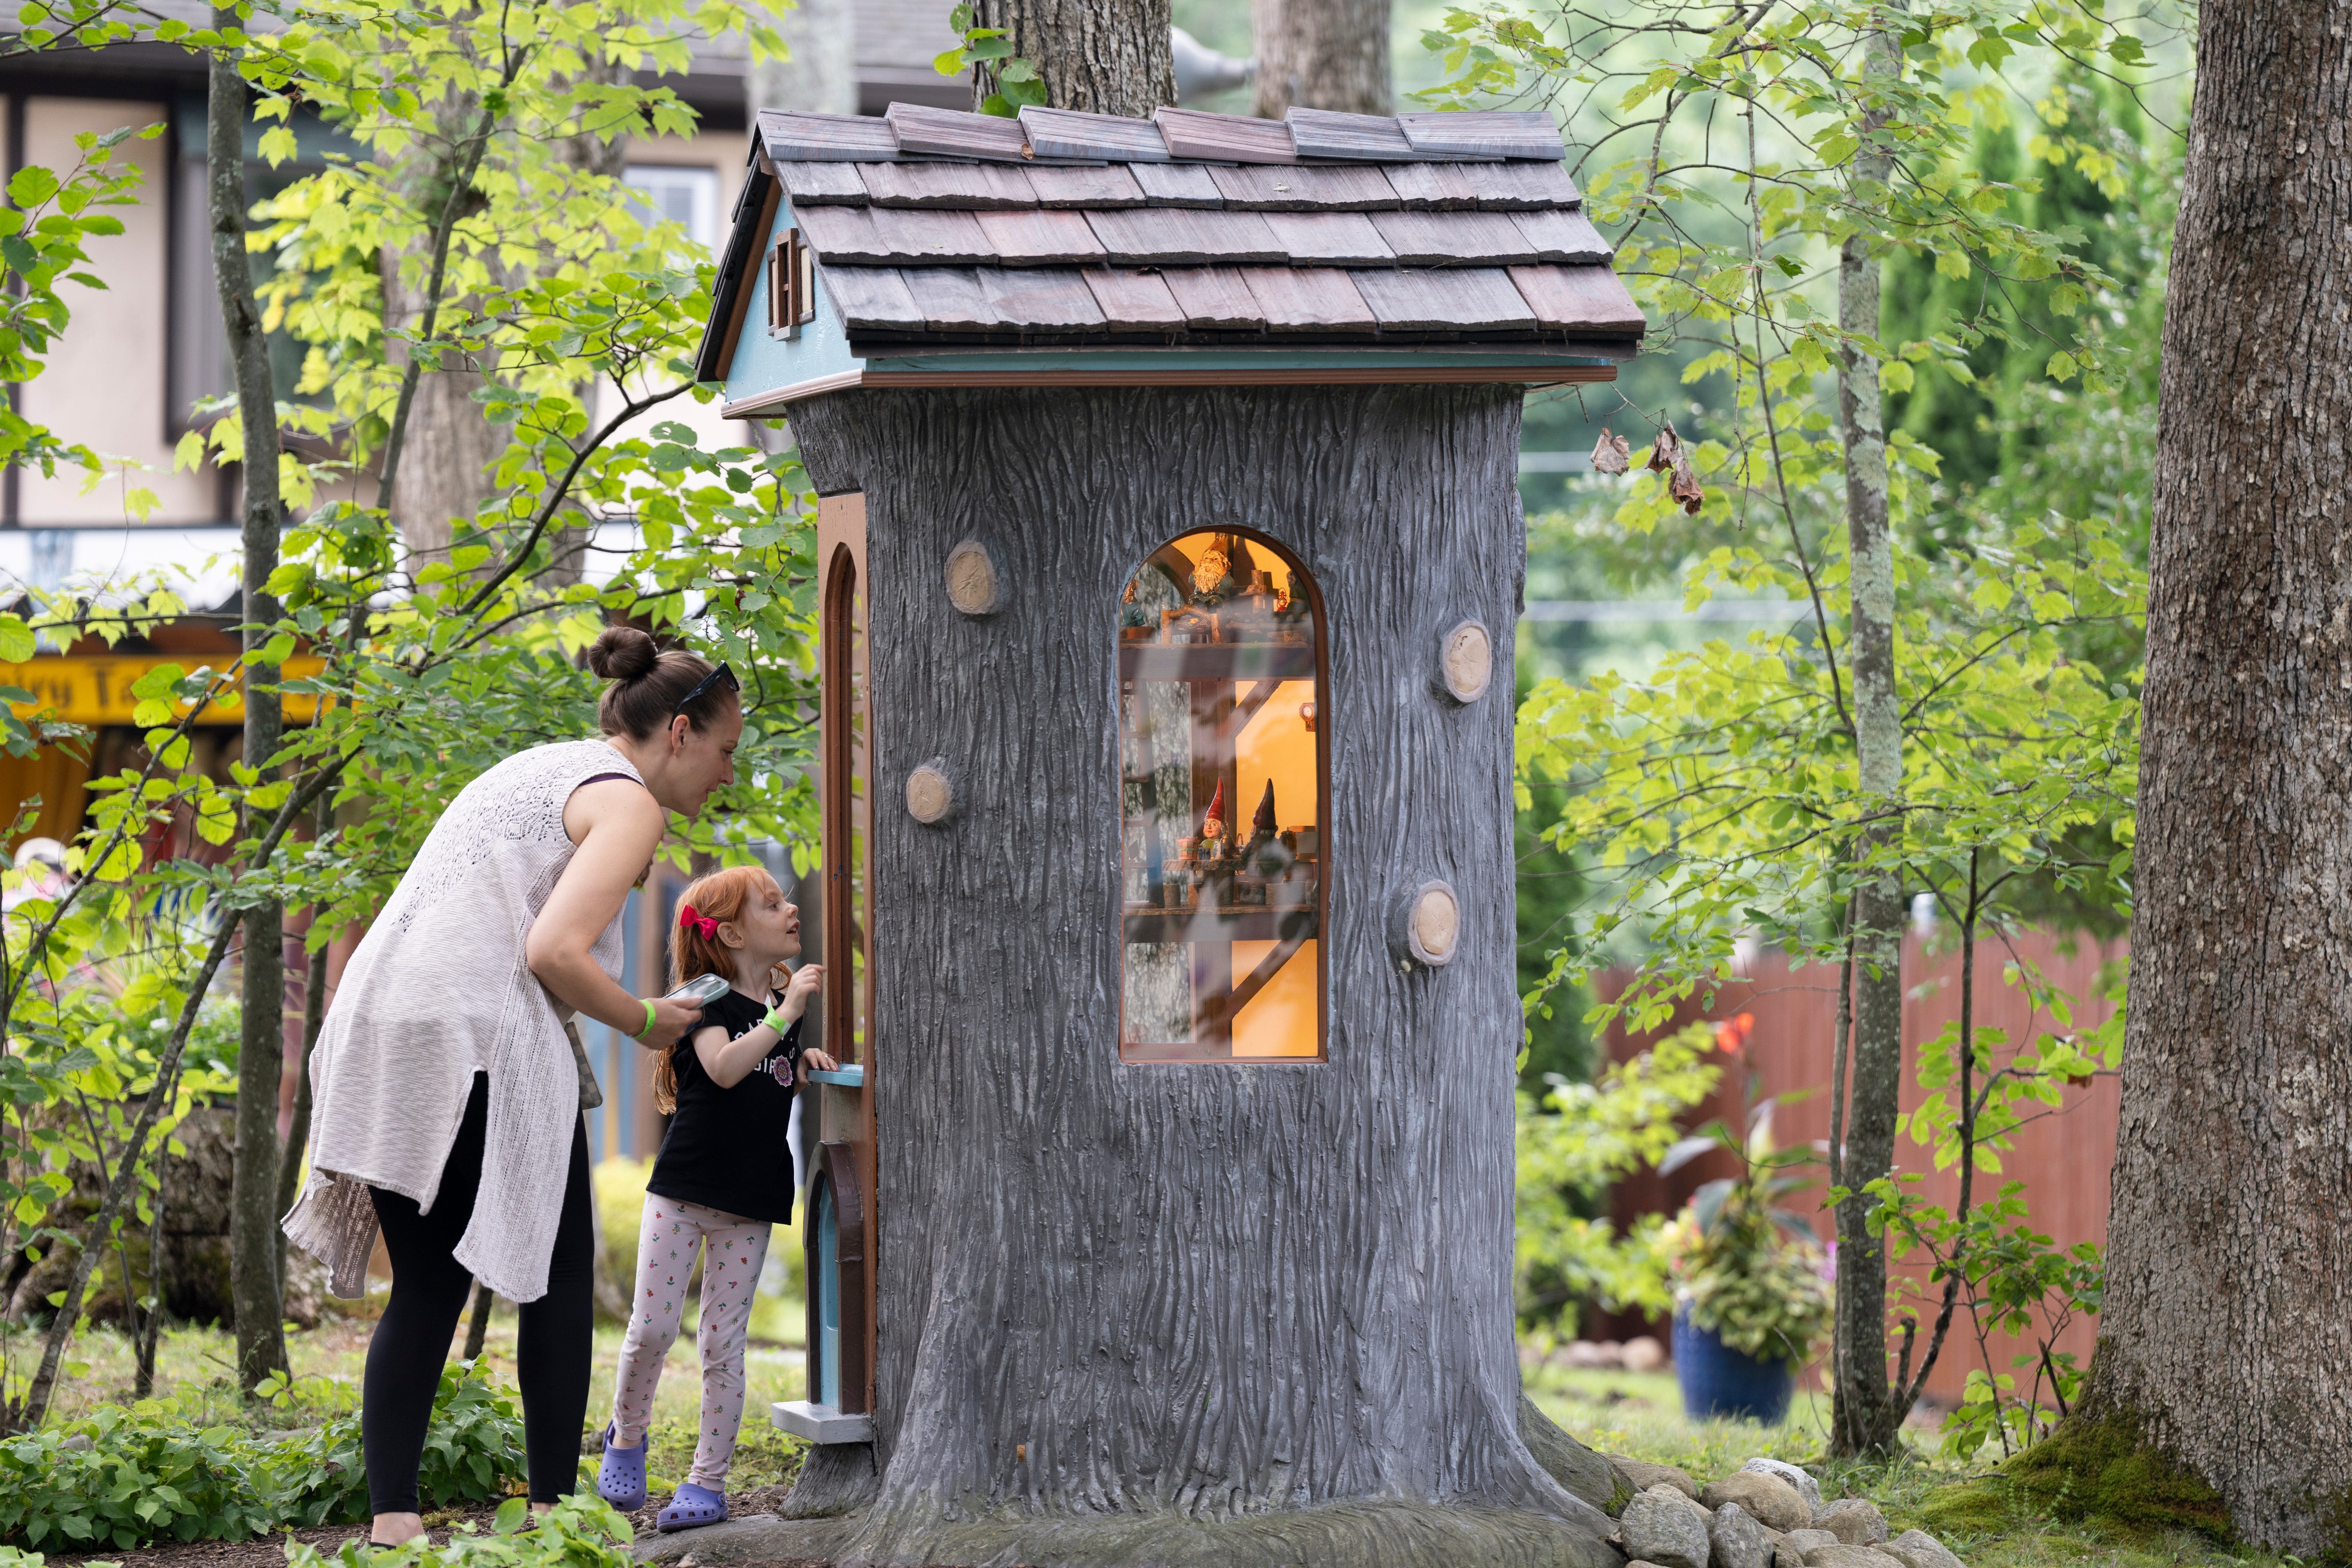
429, 1291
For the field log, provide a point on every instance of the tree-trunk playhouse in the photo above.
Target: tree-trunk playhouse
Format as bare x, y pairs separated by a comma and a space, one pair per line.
1170, 551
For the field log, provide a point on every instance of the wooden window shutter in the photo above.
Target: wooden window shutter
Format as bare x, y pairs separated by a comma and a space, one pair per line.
791, 285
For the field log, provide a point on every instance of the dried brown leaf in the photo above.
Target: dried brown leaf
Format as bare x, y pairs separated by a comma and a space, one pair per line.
1666, 449
1685, 486
1611, 454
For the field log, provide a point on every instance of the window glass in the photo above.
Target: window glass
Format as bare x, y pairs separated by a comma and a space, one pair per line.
686, 197
1221, 806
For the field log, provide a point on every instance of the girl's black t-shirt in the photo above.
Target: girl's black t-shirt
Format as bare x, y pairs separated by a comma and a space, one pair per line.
729, 1149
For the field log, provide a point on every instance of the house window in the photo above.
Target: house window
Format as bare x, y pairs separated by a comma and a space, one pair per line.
845, 803
686, 197
1220, 805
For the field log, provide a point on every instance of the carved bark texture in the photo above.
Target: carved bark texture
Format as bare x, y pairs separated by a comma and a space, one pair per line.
1865, 1419
253, 1237
1106, 57
1321, 54
1202, 1313
2227, 1331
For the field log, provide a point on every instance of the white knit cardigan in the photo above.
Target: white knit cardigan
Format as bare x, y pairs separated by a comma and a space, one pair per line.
438, 991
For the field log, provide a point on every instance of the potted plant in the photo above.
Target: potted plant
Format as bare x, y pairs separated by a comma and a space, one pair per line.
1751, 1285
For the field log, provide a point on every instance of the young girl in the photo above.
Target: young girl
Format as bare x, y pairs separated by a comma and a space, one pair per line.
724, 1174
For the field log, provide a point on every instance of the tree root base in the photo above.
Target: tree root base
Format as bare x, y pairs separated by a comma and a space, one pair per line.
1339, 1535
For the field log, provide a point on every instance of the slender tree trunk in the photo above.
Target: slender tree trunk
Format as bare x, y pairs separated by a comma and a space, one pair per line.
252, 1224
1863, 1419
1106, 57
314, 1015
2226, 1339
1321, 54
819, 75
477, 1326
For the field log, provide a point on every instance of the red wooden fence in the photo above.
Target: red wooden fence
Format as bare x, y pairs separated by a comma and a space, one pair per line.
2063, 1157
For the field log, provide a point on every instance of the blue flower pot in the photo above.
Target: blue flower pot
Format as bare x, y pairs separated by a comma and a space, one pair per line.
1718, 1381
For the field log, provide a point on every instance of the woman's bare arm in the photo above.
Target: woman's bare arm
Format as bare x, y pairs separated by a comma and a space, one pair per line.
617, 824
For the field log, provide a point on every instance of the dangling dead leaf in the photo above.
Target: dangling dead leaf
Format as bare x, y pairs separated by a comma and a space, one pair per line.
1611, 454
1666, 449
1685, 486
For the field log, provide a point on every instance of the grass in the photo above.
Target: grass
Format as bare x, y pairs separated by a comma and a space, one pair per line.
1972, 1508
196, 1369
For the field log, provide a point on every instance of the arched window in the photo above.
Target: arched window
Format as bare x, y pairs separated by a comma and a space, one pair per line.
1220, 805
844, 806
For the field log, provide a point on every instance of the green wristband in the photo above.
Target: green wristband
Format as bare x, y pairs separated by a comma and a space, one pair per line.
648, 1029
776, 1021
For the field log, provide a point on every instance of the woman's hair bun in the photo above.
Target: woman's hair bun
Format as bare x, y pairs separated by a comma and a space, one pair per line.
622, 653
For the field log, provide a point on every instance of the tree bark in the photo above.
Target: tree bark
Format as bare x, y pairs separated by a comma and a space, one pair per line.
1105, 56
2226, 1333
253, 1235
819, 75
1201, 1313
446, 448
1321, 54
1863, 1420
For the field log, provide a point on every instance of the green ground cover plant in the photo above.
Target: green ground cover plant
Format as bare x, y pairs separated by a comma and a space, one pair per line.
124, 1478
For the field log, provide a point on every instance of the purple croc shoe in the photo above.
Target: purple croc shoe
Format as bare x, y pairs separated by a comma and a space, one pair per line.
621, 1479
693, 1506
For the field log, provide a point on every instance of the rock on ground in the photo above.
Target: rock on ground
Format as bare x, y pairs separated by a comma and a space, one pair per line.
1641, 1476
1642, 1353
1843, 1556
1765, 1498
1663, 1526
1853, 1519
1804, 1541
1918, 1549
1785, 1555
1806, 1487
1739, 1542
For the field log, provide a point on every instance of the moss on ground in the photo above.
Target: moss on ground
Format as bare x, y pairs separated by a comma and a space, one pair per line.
1967, 1507
2101, 1471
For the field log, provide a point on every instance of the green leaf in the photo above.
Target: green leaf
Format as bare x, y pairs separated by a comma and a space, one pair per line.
32, 185
17, 643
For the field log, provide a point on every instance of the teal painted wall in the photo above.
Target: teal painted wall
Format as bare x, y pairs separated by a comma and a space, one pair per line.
763, 363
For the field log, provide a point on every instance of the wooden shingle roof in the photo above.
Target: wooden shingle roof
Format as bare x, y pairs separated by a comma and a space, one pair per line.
933, 227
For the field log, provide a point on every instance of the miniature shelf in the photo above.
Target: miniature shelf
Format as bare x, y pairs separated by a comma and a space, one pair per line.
1218, 925
820, 1422
851, 1076
1215, 661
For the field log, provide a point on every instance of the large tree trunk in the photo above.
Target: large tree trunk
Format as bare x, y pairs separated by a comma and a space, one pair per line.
1106, 57
446, 447
1865, 1419
819, 75
1187, 1314
2227, 1337
1321, 54
253, 1234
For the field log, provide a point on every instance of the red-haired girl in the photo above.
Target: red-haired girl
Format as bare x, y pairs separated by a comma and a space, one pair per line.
723, 1176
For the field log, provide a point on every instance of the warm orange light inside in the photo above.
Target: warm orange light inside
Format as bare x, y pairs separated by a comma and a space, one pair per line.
1222, 765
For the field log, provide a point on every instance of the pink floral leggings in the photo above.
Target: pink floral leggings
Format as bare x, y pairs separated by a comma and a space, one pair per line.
666, 1238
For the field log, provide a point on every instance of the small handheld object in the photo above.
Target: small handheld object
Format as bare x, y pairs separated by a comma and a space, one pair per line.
700, 991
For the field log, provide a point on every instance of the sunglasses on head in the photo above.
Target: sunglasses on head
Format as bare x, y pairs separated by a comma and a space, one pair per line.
721, 674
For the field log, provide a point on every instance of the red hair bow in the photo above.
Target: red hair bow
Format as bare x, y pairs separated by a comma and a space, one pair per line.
700, 924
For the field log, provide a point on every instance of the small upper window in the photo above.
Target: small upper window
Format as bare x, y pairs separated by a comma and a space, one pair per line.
1221, 806
687, 197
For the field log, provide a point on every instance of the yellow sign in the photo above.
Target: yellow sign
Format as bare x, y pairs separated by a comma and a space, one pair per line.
95, 688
